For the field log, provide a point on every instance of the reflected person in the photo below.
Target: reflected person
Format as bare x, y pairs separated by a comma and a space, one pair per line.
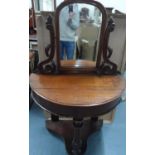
69, 22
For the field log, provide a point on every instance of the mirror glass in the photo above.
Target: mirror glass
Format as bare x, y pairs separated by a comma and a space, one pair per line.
79, 32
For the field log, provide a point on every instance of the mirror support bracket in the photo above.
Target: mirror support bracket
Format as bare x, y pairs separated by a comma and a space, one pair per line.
108, 67
48, 66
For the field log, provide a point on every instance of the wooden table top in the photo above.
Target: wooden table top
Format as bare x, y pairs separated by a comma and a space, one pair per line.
77, 90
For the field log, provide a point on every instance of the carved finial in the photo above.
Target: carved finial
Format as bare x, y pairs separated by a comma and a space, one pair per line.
49, 22
111, 24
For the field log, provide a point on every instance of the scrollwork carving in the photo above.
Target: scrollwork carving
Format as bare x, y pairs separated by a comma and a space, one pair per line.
48, 66
108, 67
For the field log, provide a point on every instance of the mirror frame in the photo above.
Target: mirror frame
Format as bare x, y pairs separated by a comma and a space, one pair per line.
104, 66
101, 37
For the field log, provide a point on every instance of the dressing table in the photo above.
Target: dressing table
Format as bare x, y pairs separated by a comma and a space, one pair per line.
77, 88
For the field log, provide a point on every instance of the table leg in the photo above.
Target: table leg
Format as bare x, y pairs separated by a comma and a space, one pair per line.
54, 118
95, 119
78, 147
75, 133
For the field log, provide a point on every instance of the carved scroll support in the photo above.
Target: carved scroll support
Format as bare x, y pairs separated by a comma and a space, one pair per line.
108, 67
48, 66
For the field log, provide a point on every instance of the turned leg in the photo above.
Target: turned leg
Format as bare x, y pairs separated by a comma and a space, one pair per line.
94, 119
54, 118
77, 143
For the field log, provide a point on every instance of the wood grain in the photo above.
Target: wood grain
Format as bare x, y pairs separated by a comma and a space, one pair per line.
77, 90
78, 64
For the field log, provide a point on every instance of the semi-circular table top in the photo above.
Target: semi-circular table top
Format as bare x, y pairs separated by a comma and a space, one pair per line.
79, 95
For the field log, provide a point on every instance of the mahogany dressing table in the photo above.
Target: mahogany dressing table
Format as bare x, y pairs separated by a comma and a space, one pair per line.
77, 88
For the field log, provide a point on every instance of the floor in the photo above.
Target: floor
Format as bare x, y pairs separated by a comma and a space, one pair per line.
110, 140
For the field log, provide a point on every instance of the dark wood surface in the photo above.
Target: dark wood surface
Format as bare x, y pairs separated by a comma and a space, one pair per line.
74, 95
78, 64
65, 129
77, 90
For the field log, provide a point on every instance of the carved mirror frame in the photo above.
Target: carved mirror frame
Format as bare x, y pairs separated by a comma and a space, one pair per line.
103, 64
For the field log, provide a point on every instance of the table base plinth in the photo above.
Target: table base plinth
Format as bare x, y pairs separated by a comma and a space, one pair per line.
75, 138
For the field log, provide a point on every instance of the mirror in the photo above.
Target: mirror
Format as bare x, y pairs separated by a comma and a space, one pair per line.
79, 32
80, 24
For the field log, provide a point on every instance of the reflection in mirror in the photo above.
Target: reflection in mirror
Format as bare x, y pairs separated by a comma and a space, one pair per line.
79, 32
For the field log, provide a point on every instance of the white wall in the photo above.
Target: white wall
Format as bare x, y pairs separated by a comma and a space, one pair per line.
116, 4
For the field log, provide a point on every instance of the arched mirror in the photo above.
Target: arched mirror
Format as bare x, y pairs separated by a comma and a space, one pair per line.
79, 40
